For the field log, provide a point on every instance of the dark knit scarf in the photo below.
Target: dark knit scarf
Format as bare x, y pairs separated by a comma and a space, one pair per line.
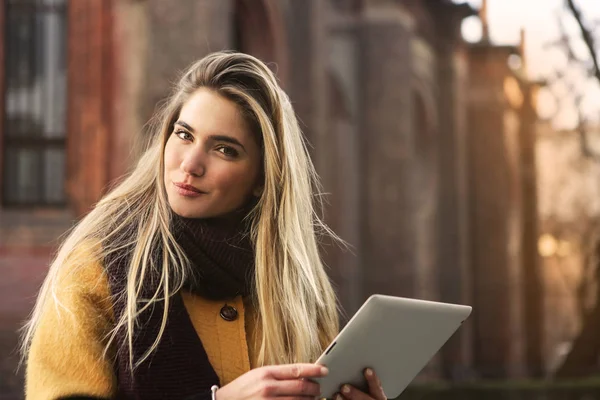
222, 257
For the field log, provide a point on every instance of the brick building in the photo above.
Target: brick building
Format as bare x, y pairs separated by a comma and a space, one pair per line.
429, 191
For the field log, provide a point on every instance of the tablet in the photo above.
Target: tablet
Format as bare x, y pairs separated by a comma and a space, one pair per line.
395, 336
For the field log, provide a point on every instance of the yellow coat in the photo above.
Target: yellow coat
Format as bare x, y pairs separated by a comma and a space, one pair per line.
66, 356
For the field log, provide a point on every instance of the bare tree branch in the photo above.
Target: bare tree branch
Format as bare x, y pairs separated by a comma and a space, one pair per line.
591, 66
587, 37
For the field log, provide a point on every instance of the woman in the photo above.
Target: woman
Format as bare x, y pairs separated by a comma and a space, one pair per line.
201, 268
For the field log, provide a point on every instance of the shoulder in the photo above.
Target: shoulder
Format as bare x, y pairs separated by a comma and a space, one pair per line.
81, 274
84, 260
71, 324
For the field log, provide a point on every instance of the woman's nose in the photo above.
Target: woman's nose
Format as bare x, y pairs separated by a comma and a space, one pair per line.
194, 163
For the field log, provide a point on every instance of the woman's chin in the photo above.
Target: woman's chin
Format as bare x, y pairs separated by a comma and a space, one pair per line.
187, 212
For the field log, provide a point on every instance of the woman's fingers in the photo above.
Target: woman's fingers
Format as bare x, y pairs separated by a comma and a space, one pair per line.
375, 388
297, 371
295, 387
348, 392
293, 380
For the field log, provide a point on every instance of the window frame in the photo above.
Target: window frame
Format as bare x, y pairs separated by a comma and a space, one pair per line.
38, 144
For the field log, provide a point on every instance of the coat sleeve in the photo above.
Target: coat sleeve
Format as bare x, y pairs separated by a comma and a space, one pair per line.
66, 357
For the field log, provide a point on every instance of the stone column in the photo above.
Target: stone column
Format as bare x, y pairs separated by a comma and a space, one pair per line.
453, 236
533, 283
495, 205
342, 175
388, 221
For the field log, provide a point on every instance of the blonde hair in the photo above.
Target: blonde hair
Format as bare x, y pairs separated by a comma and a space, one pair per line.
297, 305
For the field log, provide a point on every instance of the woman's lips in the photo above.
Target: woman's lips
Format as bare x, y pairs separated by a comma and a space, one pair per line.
187, 190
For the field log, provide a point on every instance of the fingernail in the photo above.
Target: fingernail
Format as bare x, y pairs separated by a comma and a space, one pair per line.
369, 372
338, 397
324, 371
345, 389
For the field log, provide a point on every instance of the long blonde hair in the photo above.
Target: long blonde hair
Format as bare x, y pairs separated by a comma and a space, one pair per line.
297, 305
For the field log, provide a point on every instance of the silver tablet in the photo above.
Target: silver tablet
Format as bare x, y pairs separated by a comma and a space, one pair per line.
395, 336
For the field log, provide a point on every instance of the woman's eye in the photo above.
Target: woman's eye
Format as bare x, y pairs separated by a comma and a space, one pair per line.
228, 151
184, 135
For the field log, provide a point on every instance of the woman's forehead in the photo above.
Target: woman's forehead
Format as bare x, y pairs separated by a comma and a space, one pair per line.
206, 111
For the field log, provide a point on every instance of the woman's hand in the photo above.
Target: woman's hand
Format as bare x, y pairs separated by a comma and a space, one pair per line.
375, 390
275, 381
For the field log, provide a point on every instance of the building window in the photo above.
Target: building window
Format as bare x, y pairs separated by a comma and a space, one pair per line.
33, 135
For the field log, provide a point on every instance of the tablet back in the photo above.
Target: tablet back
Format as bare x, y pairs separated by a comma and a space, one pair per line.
395, 336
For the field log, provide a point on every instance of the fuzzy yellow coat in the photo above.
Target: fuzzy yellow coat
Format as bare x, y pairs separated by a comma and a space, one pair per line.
66, 356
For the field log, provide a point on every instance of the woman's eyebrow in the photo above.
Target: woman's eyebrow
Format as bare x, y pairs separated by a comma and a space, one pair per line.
185, 125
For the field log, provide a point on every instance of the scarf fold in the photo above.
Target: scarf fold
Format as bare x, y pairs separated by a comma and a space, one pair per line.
222, 267
221, 255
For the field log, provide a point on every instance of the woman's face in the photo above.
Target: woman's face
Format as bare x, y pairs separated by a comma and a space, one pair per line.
212, 159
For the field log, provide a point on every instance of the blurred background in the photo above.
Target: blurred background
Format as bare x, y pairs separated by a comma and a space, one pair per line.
458, 145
